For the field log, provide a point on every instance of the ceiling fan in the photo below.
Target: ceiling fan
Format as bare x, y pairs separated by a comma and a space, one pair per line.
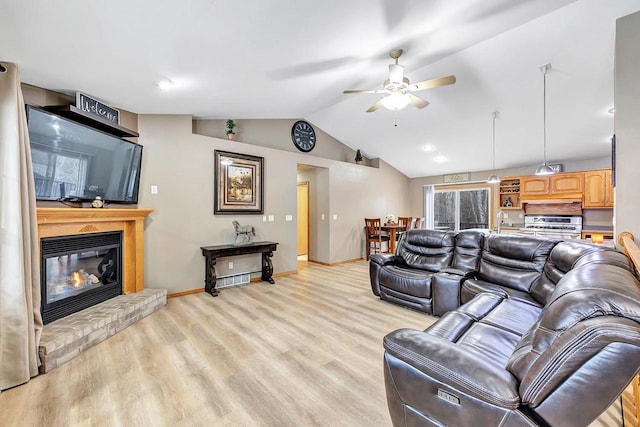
397, 89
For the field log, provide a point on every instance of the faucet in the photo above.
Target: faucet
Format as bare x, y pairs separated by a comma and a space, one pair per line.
500, 216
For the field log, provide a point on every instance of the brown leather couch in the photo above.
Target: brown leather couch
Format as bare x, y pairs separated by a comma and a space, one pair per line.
418, 275
548, 335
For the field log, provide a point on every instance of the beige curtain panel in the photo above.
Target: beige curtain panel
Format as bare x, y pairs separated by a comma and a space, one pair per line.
20, 320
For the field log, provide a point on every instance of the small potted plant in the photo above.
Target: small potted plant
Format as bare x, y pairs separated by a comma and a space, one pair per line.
230, 129
358, 158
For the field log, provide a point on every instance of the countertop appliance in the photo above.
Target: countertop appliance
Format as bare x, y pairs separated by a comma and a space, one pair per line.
554, 226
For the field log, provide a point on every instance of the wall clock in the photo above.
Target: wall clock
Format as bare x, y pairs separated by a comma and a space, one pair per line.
303, 136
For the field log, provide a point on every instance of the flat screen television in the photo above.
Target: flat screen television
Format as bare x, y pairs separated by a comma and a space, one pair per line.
74, 162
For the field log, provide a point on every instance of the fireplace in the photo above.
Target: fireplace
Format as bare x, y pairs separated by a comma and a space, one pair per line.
78, 271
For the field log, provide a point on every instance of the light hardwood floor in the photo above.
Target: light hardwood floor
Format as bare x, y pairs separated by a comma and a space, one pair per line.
306, 351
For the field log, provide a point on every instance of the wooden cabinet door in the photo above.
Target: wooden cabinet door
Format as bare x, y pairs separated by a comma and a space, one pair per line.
567, 183
594, 189
534, 185
598, 191
608, 189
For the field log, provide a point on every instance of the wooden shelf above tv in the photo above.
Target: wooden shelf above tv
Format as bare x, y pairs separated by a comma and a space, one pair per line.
76, 114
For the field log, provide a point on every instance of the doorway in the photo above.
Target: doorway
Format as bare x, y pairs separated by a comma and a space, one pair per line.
303, 221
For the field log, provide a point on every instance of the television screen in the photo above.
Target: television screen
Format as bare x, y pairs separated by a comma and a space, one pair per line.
74, 162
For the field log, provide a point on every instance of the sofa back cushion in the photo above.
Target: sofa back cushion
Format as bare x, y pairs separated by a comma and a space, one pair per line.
466, 255
514, 261
592, 307
427, 249
572, 254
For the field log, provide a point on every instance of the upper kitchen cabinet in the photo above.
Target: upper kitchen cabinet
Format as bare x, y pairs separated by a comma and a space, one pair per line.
566, 183
534, 186
509, 189
598, 190
553, 185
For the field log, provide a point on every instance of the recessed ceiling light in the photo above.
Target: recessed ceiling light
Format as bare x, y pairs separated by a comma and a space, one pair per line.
440, 159
429, 147
165, 84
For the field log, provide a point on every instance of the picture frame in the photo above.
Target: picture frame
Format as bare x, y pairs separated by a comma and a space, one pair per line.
238, 184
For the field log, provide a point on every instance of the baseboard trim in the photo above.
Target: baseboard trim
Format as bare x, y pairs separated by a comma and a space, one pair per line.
183, 293
329, 264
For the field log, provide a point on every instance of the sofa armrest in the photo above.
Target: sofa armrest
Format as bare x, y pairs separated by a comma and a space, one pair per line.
459, 368
385, 259
463, 272
445, 291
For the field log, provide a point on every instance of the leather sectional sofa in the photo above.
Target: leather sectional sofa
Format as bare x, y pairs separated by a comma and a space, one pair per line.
533, 331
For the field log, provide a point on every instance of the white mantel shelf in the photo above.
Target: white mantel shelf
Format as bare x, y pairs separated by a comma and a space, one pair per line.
53, 222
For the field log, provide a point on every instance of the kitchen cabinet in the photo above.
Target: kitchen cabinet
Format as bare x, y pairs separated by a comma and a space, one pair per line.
509, 193
566, 183
553, 185
534, 185
598, 190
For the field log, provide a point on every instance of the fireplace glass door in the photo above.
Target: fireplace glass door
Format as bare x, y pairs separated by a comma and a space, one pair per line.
79, 271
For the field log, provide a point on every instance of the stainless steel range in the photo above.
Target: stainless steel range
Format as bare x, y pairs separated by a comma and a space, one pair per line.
559, 227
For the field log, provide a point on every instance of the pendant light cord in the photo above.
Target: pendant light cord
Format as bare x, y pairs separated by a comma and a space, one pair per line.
495, 114
544, 116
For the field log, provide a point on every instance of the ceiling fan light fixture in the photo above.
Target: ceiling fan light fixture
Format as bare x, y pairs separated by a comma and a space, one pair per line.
396, 74
395, 101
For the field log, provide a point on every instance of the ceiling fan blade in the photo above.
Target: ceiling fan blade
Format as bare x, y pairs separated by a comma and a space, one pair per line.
416, 101
364, 91
375, 106
428, 84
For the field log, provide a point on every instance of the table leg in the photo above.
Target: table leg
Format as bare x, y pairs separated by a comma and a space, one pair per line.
210, 277
392, 241
267, 267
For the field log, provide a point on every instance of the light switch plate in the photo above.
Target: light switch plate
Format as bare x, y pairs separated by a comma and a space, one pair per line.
288, 217
271, 218
154, 189
322, 217
335, 216
264, 218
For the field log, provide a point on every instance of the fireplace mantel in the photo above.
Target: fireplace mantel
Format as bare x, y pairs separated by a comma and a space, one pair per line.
54, 222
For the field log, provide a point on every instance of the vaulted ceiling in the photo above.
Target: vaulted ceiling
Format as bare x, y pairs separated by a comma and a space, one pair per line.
292, 59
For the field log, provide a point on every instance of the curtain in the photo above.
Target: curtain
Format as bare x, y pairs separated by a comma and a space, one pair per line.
20, 319
429, 193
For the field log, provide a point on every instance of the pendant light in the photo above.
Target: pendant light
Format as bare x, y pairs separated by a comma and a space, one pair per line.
544, 168
494, 179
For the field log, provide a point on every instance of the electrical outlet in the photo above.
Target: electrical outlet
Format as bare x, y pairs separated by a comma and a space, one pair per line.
230, 265
506, 215
335, 216
322, 217
520, 216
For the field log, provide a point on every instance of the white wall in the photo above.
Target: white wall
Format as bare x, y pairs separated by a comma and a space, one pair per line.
180, 163
627, 125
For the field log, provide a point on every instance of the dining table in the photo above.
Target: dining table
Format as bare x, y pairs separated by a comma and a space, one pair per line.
392, 229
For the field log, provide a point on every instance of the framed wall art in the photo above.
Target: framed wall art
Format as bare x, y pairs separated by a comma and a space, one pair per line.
239, 183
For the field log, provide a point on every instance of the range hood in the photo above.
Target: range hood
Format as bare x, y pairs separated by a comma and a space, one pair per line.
549, 205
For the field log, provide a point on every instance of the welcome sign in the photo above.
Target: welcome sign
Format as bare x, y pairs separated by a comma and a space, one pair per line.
97, 108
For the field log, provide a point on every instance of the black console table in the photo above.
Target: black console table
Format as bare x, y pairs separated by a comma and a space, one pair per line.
213, 252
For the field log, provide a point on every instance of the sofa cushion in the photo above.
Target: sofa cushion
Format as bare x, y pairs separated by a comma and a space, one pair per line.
467, 251
406, 280
568, 255
514, 261
472, 287
427, 249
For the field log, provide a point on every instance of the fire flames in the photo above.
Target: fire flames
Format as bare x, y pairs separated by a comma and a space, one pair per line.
76, 279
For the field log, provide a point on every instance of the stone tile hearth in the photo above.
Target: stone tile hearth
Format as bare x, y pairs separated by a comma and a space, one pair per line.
66, 338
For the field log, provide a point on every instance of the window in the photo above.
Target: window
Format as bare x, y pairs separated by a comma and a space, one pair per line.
461, 209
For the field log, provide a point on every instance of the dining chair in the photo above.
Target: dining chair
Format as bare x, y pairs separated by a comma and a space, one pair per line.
406, 222
375, 237
417, 223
